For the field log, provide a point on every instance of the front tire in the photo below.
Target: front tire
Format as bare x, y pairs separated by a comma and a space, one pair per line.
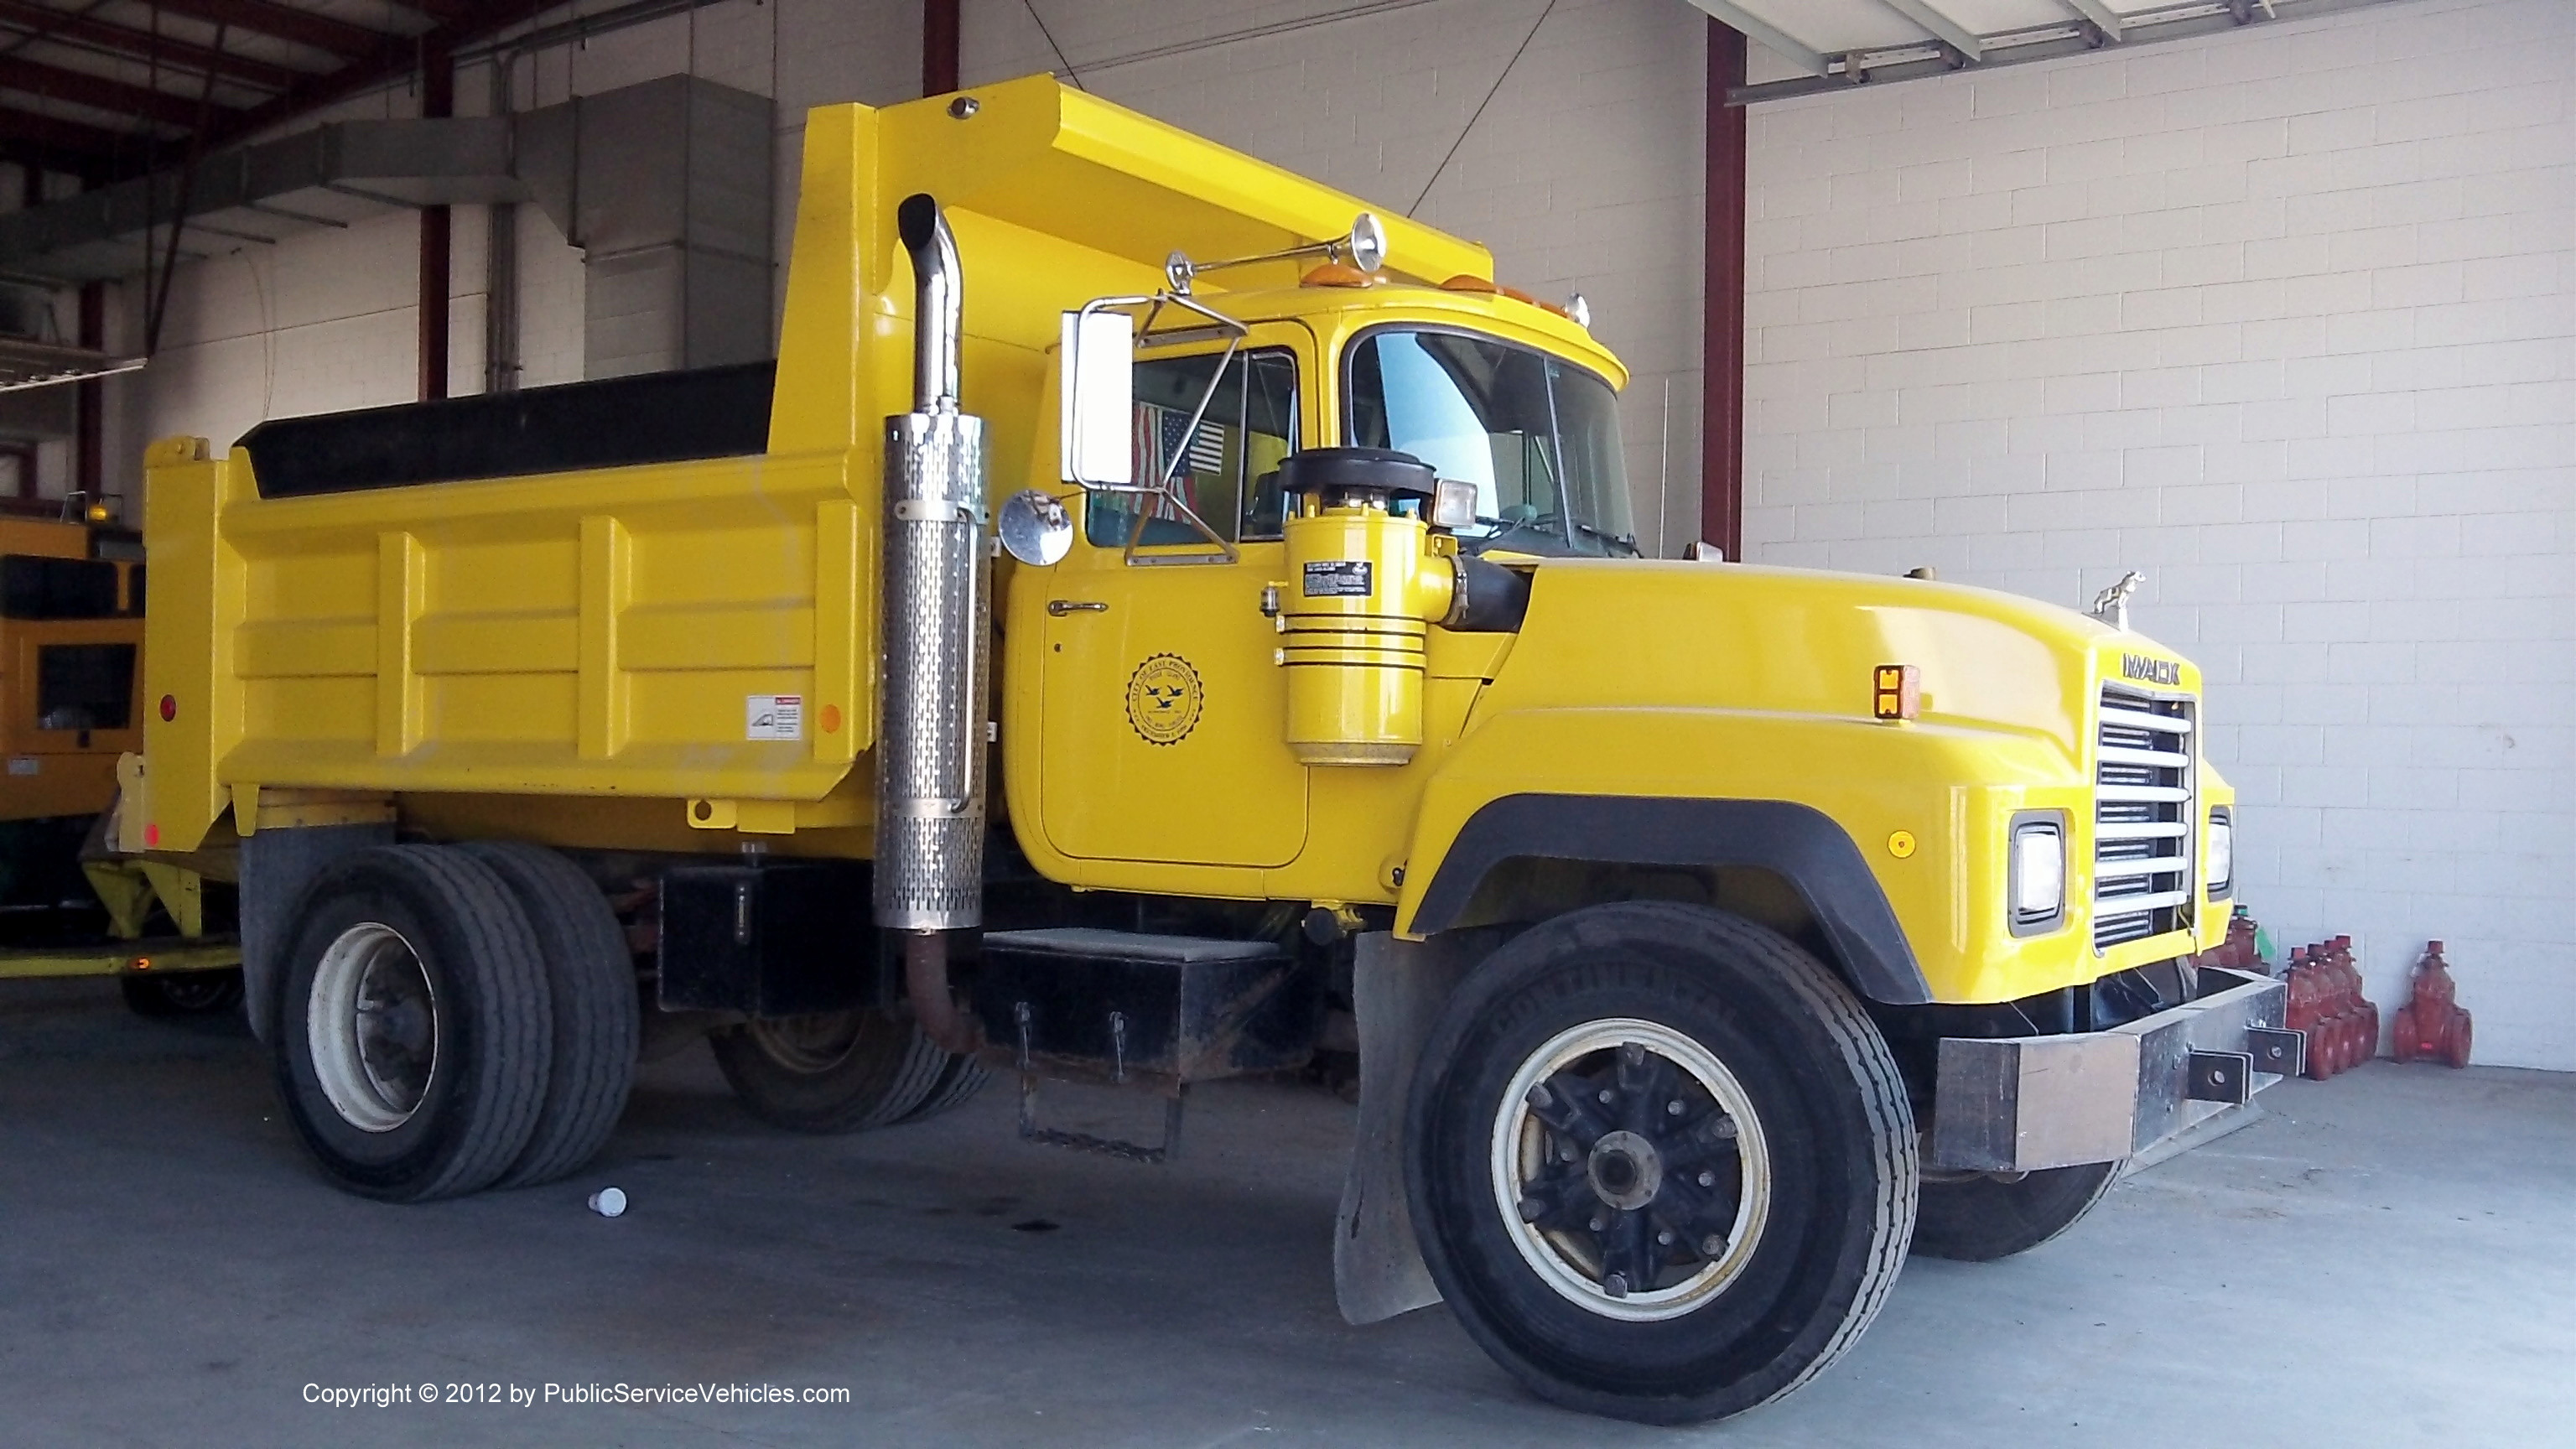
842, 1071
1660, 1163
414, 1029
1986, 1216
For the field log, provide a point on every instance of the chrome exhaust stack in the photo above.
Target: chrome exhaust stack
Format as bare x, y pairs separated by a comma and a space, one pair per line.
936, 623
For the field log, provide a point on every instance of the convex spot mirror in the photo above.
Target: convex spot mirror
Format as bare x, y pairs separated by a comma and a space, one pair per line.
1099, 398
1035, 528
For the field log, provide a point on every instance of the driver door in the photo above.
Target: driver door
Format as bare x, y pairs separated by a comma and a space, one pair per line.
1164, 710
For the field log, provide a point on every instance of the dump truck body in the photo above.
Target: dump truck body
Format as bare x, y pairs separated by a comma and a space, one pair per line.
1347, 717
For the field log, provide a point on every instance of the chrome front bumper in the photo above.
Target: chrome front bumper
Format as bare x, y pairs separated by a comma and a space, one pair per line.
2025, 1103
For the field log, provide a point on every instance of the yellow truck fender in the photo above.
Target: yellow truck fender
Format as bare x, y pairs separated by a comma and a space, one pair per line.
1899, 867
1798, 843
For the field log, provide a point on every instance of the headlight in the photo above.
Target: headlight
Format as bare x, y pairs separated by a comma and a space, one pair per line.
2222, 854
2037, 886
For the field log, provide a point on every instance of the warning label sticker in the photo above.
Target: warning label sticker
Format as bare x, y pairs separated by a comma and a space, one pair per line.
1340, 578
773, 717
25, 765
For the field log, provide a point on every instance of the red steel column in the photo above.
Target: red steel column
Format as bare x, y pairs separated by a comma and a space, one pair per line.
437, 98
939, 39
89, 443
1721, 477
89, 398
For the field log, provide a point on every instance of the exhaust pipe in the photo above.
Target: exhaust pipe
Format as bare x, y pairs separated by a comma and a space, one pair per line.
936, 624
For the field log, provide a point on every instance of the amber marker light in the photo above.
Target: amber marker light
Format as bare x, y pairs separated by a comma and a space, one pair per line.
1896, 691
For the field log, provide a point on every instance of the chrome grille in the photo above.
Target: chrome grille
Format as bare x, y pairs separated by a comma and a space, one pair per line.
2142, 814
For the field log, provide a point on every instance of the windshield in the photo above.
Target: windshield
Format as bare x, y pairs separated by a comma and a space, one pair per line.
1538, 437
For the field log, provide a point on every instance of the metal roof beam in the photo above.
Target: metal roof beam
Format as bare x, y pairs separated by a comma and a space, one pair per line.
2104, 18
61, 26
1931, 56
279, 22
1958, 37
389, 58
1779, 42
80, 88
73, 139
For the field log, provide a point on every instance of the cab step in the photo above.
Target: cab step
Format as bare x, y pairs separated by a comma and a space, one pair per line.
1123, 1008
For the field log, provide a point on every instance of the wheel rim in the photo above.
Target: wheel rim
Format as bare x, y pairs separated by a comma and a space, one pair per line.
1628, 1207
807, 1045
372, 1022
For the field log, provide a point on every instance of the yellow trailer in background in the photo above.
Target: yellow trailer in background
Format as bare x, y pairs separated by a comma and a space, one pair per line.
1154, 621
71, 640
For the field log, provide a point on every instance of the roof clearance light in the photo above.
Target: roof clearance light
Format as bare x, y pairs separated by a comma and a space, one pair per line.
1896, 691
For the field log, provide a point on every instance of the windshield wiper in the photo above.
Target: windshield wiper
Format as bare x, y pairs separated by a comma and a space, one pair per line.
1627, 541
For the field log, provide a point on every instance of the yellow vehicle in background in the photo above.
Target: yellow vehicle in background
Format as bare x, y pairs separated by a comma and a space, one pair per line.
71, 639
1145, 627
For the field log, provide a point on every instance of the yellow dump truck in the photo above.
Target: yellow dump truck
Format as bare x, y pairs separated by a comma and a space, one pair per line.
1154, 621
71, 640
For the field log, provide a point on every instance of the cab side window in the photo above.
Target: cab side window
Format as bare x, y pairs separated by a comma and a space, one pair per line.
1226, 470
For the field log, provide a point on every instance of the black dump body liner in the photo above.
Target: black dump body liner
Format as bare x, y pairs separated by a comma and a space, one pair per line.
655, 417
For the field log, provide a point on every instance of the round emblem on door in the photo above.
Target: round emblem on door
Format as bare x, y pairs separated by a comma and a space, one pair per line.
1163, 699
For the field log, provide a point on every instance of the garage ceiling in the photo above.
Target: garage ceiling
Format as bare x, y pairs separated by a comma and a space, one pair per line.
107, 88
1804, 46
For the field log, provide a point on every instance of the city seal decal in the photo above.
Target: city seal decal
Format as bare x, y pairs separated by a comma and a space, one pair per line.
2150, 669
1163, 697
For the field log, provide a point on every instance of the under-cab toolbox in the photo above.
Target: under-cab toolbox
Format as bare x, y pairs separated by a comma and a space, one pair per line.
1156, 621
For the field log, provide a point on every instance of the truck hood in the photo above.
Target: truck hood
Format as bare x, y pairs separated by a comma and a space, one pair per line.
1654, 634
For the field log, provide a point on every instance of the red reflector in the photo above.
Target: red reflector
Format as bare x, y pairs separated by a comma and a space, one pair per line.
169, 708
151, 833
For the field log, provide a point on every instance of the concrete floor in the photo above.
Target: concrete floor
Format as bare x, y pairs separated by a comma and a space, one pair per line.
2383, 1259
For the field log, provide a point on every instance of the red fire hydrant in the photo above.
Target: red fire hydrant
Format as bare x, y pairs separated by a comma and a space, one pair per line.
2431, 1024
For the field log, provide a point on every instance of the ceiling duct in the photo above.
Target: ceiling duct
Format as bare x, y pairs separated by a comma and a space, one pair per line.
666, 186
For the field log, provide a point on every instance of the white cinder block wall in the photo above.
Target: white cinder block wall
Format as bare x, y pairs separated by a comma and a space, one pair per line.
2287, 320
2283, 318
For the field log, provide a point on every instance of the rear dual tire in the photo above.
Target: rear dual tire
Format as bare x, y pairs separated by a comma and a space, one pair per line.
1660, 1163
453, 1018
843, 1071
182, 993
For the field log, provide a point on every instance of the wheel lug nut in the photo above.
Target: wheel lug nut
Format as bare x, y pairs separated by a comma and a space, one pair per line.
1606, 1097
1674, 1107
1599, 1222
1711, 1246
1664, 1239
1708, 1179
1532, 1209
1616, 1285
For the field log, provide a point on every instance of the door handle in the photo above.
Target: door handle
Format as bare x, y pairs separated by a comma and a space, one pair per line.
1061, 607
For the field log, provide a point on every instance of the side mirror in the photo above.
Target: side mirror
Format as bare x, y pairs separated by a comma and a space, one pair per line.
1099, 398
1035, 528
